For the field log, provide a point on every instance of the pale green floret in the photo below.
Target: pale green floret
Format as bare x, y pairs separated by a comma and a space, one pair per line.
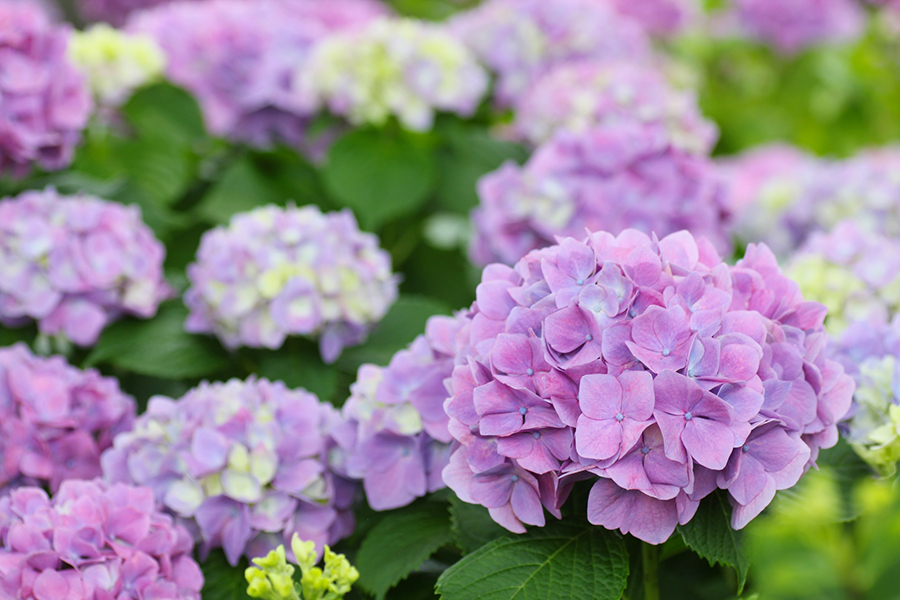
273, 577
875, 428
834, 286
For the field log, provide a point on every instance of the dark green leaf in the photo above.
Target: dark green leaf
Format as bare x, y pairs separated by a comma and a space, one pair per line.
163, 110
472, 525
710, 535
300, 368
562, 560
9, 336
240, 188
222, 581
162, 170
400, 543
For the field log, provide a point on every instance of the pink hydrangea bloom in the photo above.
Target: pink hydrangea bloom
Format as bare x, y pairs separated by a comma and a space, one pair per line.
76, 263
655, 370
93, 541
114, 12
612, 178
661, 17
46, 102
793, 25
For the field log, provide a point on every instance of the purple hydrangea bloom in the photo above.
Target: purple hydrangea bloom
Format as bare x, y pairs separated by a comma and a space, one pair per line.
114, 12
654, 369
244, 464
55, 420
46, 101
275, 272
661, 17
624, 175
401, 442
74, 264
579, 96
519, 40
793, 25
93, 541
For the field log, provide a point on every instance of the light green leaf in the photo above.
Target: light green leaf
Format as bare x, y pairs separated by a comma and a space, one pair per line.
710, 535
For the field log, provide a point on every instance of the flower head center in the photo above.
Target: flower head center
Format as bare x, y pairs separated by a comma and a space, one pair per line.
579, 282
745, 448
666, 352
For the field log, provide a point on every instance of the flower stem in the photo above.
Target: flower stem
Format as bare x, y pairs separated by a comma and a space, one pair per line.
650, 555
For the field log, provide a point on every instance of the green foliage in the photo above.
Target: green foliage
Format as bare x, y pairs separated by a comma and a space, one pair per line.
472, 525
710, 535
221, 580
299, 364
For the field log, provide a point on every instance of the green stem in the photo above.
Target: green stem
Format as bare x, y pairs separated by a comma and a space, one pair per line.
650, 555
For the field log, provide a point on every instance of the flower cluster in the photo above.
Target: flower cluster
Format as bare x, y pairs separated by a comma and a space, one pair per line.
76, 263
275, 272
578, 96
649, 367
795, 25
55, 420
114, 12
401, 442
273, 578
245, 463
46, 102
609, 178
400, 67
116, 63
519, 40
93, 541
660, 17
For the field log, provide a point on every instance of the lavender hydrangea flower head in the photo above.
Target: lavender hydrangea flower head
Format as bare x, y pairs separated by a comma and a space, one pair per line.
401, 441
275, 272
76, 263
93, 540
518, 40
578, 96
656, 371
793, 25
661, 17
615, 177
244, 464
114, 12
55, 420
46, 102
401, 67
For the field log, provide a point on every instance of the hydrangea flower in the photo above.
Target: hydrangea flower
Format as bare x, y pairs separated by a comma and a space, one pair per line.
615, 177
401, 441
401, 67
116, 63
244, 463
275, 272
114, 12
661, 17
578, 96
93, 540
519, 40
46, 102
273, 578
55, 420
76, 263
793, 25
664, 374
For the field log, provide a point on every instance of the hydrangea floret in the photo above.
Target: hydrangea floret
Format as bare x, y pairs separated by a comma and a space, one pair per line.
647, 366
93, 540
55, 420
275, 272
395, 67
611, 178
401, 442
273, 577
793, 26
76, 263
46, 102
244, 463
661, 17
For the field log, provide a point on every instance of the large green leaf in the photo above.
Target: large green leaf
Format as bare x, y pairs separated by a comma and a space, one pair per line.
472, 525
562, 560
163, 110
400, 543
710, 535
300, 368
221, 580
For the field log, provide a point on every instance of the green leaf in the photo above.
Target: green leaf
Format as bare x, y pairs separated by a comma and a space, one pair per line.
300, 368
159, 347
162, 170
472, 525
163, 110
380, 175
400, 543
10, 336
710, 535
221, 580
562, 560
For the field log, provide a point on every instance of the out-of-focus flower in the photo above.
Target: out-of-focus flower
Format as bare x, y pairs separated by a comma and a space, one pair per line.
272, 578
579, 96
275, 272
661, 17
93, 540
55, 420
609, 178
662, 374
401, 438
114, 12
116, 63
75, 264
45, 100
400, 67
793, 25
519, 40
244, 463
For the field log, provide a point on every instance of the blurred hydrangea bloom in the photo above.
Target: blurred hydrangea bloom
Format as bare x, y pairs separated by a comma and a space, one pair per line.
93, 540
275, 272
793, 25
401, 67
578, 96
55, 420
244, 464
519, 40
273, 578
609, 178
647, 366
46, 102
114, 12
116, 63
661, 17
76, 263
401, 442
